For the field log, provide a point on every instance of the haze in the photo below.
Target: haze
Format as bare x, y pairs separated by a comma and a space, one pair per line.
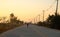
27, 10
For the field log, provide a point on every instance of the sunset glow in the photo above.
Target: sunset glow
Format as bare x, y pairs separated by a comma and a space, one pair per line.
27, 10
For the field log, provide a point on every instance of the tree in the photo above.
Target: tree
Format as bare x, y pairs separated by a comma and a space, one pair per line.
12, 18
54, 21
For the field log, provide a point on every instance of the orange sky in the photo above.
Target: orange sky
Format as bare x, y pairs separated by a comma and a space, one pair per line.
26, 10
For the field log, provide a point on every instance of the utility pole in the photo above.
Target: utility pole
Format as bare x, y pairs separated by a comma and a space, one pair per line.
34, 20
39, 17
43, 15
56, 8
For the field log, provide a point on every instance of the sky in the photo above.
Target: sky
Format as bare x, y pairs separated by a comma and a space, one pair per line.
27, 10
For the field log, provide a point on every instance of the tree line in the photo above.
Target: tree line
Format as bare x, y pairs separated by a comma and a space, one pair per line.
11, 23
53, 21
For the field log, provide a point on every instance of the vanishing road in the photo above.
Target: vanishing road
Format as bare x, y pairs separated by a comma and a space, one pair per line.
31, 31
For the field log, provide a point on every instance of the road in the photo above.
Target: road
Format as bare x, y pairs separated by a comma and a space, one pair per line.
31, 31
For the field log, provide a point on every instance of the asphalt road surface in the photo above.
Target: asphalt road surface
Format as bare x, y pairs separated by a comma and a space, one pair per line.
31, 31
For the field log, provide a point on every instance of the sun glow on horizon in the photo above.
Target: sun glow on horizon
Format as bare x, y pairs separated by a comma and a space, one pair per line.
26, 10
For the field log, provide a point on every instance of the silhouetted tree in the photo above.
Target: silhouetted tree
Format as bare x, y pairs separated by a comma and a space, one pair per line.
12, 18
39, 23
13, 23
54, 21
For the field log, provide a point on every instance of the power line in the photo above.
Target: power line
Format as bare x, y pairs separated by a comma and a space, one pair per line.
50, 6
35, 19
